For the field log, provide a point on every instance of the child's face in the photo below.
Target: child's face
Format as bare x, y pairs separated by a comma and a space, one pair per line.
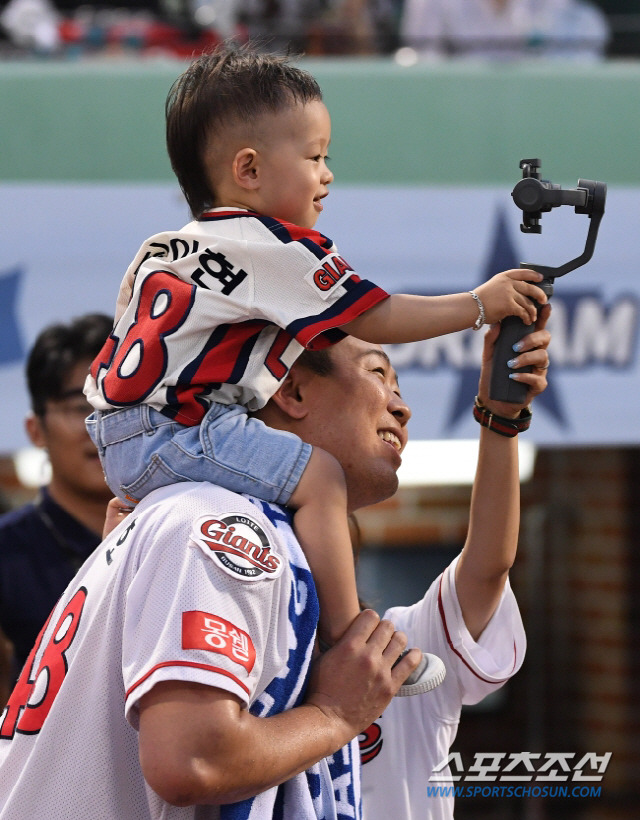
292, 157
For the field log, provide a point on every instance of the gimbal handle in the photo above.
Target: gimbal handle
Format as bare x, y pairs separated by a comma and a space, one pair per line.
534, 197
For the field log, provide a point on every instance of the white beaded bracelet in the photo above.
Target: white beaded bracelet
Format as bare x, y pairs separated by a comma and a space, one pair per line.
481, 319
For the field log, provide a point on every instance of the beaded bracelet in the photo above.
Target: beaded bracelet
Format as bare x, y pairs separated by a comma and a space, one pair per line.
505, 427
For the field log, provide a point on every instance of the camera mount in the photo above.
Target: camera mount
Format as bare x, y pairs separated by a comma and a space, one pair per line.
535, 196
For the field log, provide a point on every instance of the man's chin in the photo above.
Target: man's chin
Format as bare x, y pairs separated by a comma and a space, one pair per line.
379, 488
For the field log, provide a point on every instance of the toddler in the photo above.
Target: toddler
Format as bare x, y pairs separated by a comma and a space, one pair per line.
210, 318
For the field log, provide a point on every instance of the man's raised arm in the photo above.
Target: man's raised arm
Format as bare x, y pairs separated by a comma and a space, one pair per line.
492, 540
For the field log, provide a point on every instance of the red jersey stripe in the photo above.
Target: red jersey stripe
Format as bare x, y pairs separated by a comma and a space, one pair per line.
192, 664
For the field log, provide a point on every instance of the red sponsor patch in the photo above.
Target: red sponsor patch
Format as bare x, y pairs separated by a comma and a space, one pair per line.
201, 630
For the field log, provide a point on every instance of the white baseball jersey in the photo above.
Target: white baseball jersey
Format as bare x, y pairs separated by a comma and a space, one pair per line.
413, 736
199, 585
220, 311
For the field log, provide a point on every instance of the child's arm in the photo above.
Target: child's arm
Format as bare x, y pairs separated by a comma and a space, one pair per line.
411, 318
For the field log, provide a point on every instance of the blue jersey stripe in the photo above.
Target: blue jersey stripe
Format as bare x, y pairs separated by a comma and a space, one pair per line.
317, 243
355, 291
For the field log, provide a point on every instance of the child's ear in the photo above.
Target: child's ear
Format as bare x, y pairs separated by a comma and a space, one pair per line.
245, 168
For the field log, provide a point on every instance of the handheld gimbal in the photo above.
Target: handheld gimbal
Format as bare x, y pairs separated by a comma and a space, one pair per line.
535, 196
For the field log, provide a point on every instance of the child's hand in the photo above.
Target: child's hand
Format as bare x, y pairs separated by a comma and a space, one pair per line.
117, 511
510, 294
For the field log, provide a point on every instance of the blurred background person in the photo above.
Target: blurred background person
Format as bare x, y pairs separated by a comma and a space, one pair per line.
31, 24
504, 29
43, 543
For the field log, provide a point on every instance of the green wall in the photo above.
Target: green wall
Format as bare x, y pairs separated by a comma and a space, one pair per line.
421, 125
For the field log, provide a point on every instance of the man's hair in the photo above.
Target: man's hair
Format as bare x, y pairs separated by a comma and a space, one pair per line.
232, 84
317, 361
57, 350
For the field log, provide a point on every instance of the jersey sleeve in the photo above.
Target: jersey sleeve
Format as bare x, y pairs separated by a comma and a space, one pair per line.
187, 619
306, 287
474, 668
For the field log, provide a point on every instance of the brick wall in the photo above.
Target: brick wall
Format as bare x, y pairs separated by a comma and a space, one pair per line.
578, 583
580, 542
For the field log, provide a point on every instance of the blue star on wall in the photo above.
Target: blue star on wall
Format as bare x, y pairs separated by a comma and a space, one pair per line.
11, 348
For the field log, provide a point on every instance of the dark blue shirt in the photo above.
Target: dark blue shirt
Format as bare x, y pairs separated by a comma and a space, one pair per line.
41, 548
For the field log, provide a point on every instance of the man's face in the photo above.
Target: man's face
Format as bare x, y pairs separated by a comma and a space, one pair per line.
75, 465
357, 414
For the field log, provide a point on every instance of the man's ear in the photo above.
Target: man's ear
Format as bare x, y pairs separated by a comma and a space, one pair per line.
291, 396
245, 168
34, 427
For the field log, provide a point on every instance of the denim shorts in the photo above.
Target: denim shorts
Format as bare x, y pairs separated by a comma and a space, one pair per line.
141, 449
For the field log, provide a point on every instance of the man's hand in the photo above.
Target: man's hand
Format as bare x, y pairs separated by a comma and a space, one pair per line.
353, 682
533, 352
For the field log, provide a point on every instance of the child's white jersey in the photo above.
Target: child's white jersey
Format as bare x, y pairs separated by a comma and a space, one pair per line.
413, 736
199, 585
220, 311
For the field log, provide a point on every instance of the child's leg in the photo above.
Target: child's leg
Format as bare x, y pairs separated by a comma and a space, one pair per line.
142, 450
128, 442
321, 526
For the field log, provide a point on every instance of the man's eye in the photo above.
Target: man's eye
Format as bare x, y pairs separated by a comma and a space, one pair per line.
380, 370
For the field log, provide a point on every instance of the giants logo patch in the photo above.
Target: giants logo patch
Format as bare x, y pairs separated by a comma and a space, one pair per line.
370, 742
239, 546
201, 630
329, 275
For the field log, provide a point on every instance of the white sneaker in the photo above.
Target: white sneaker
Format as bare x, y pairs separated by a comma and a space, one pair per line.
429, 673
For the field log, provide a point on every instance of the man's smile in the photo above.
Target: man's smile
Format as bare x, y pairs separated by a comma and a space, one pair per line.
387, 435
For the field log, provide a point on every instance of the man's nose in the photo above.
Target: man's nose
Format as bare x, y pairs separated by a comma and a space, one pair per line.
399, 409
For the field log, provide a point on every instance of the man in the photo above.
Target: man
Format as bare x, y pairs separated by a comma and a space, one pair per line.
199, 613
43, 544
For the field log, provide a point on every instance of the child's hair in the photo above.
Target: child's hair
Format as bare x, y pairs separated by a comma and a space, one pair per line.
232, 84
